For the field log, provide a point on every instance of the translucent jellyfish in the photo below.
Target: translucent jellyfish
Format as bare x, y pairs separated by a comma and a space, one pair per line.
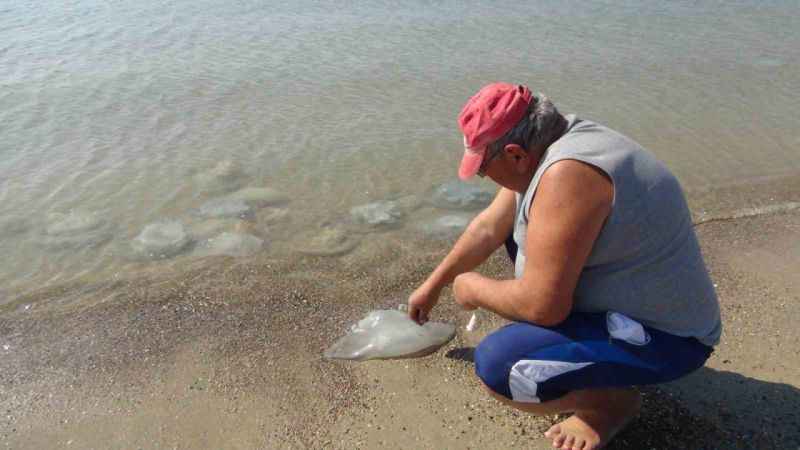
72, 223
271, 216
446, 226
386, 334
226, 176
224, 208
378, 214
328, 241
161, 240
408, 203
259, 197
458, 195
230, 244
207, 228
76, 229
13, 225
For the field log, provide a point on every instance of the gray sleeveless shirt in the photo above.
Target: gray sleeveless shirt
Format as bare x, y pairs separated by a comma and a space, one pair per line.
646, 262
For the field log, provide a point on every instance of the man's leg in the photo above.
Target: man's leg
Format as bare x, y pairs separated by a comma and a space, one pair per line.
577, 367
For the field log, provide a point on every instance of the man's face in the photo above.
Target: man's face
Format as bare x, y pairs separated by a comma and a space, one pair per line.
488, 157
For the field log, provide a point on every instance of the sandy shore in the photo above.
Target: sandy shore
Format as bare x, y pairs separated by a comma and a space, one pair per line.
227, 354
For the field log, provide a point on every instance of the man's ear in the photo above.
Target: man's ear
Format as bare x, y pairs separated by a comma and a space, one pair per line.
521, 159
515, 152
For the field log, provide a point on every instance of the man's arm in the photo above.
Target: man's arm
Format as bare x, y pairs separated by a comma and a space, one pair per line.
482, 237
571, 204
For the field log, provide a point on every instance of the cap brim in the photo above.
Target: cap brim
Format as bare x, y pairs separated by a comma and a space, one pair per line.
470, 163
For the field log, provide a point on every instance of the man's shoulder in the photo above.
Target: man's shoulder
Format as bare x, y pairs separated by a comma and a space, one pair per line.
574, 172
571, 184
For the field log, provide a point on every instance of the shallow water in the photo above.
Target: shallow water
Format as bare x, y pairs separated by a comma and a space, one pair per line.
133, 114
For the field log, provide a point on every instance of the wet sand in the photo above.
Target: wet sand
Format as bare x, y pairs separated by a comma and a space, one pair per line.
227, 353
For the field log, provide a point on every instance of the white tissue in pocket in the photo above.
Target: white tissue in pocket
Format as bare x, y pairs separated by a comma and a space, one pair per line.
624, 328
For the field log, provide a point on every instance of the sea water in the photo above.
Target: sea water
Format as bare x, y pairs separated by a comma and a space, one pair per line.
115, 116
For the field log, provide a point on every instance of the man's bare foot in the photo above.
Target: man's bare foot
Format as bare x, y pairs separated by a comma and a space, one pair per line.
593, 429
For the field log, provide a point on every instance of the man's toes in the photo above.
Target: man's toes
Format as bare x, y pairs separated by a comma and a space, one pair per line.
559, 440
579, 444
553, 431
567, 445
591, 445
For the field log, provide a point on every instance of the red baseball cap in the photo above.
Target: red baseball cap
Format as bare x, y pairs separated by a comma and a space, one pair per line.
486, 117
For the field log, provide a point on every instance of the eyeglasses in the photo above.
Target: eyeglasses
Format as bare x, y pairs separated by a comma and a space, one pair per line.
485, 163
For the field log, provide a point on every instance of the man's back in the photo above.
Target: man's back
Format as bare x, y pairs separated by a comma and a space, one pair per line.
646, 262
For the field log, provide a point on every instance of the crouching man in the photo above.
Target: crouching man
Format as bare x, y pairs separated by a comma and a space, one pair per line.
610, 287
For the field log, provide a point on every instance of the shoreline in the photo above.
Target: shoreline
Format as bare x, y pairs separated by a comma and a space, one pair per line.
228, 353
751, 197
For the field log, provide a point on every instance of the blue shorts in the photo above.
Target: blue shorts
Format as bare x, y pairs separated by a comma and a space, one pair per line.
529, 363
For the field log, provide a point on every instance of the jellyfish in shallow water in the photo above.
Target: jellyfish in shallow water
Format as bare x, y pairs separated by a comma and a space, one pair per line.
386, 334
74, 230
13, 226
226, 176
459, 195
328, 241
161, 240
445, 227
259, 197
271, 216
378, 214
59, 224
208, 228
224, 208
230, 244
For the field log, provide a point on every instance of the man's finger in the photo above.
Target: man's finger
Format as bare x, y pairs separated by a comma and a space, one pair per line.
414, 313
423, 317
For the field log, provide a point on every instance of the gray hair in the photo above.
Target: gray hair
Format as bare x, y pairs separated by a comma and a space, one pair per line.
540, 127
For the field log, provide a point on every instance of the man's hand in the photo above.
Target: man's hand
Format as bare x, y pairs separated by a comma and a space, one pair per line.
421, 302
462, 290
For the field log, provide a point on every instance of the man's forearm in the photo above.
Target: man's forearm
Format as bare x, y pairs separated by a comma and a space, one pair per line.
474, 246
512, 299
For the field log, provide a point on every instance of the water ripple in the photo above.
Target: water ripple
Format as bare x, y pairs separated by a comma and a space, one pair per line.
113, 106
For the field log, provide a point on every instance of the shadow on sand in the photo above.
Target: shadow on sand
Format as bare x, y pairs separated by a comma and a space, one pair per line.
709, 409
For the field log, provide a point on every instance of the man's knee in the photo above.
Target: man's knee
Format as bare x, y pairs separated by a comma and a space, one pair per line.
492, 367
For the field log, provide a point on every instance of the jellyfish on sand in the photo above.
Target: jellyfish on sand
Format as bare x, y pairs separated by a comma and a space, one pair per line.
386, 334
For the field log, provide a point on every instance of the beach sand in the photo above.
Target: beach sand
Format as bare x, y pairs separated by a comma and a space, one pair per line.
227, 353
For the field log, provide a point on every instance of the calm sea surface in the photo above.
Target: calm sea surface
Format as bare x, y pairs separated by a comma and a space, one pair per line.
116, 112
